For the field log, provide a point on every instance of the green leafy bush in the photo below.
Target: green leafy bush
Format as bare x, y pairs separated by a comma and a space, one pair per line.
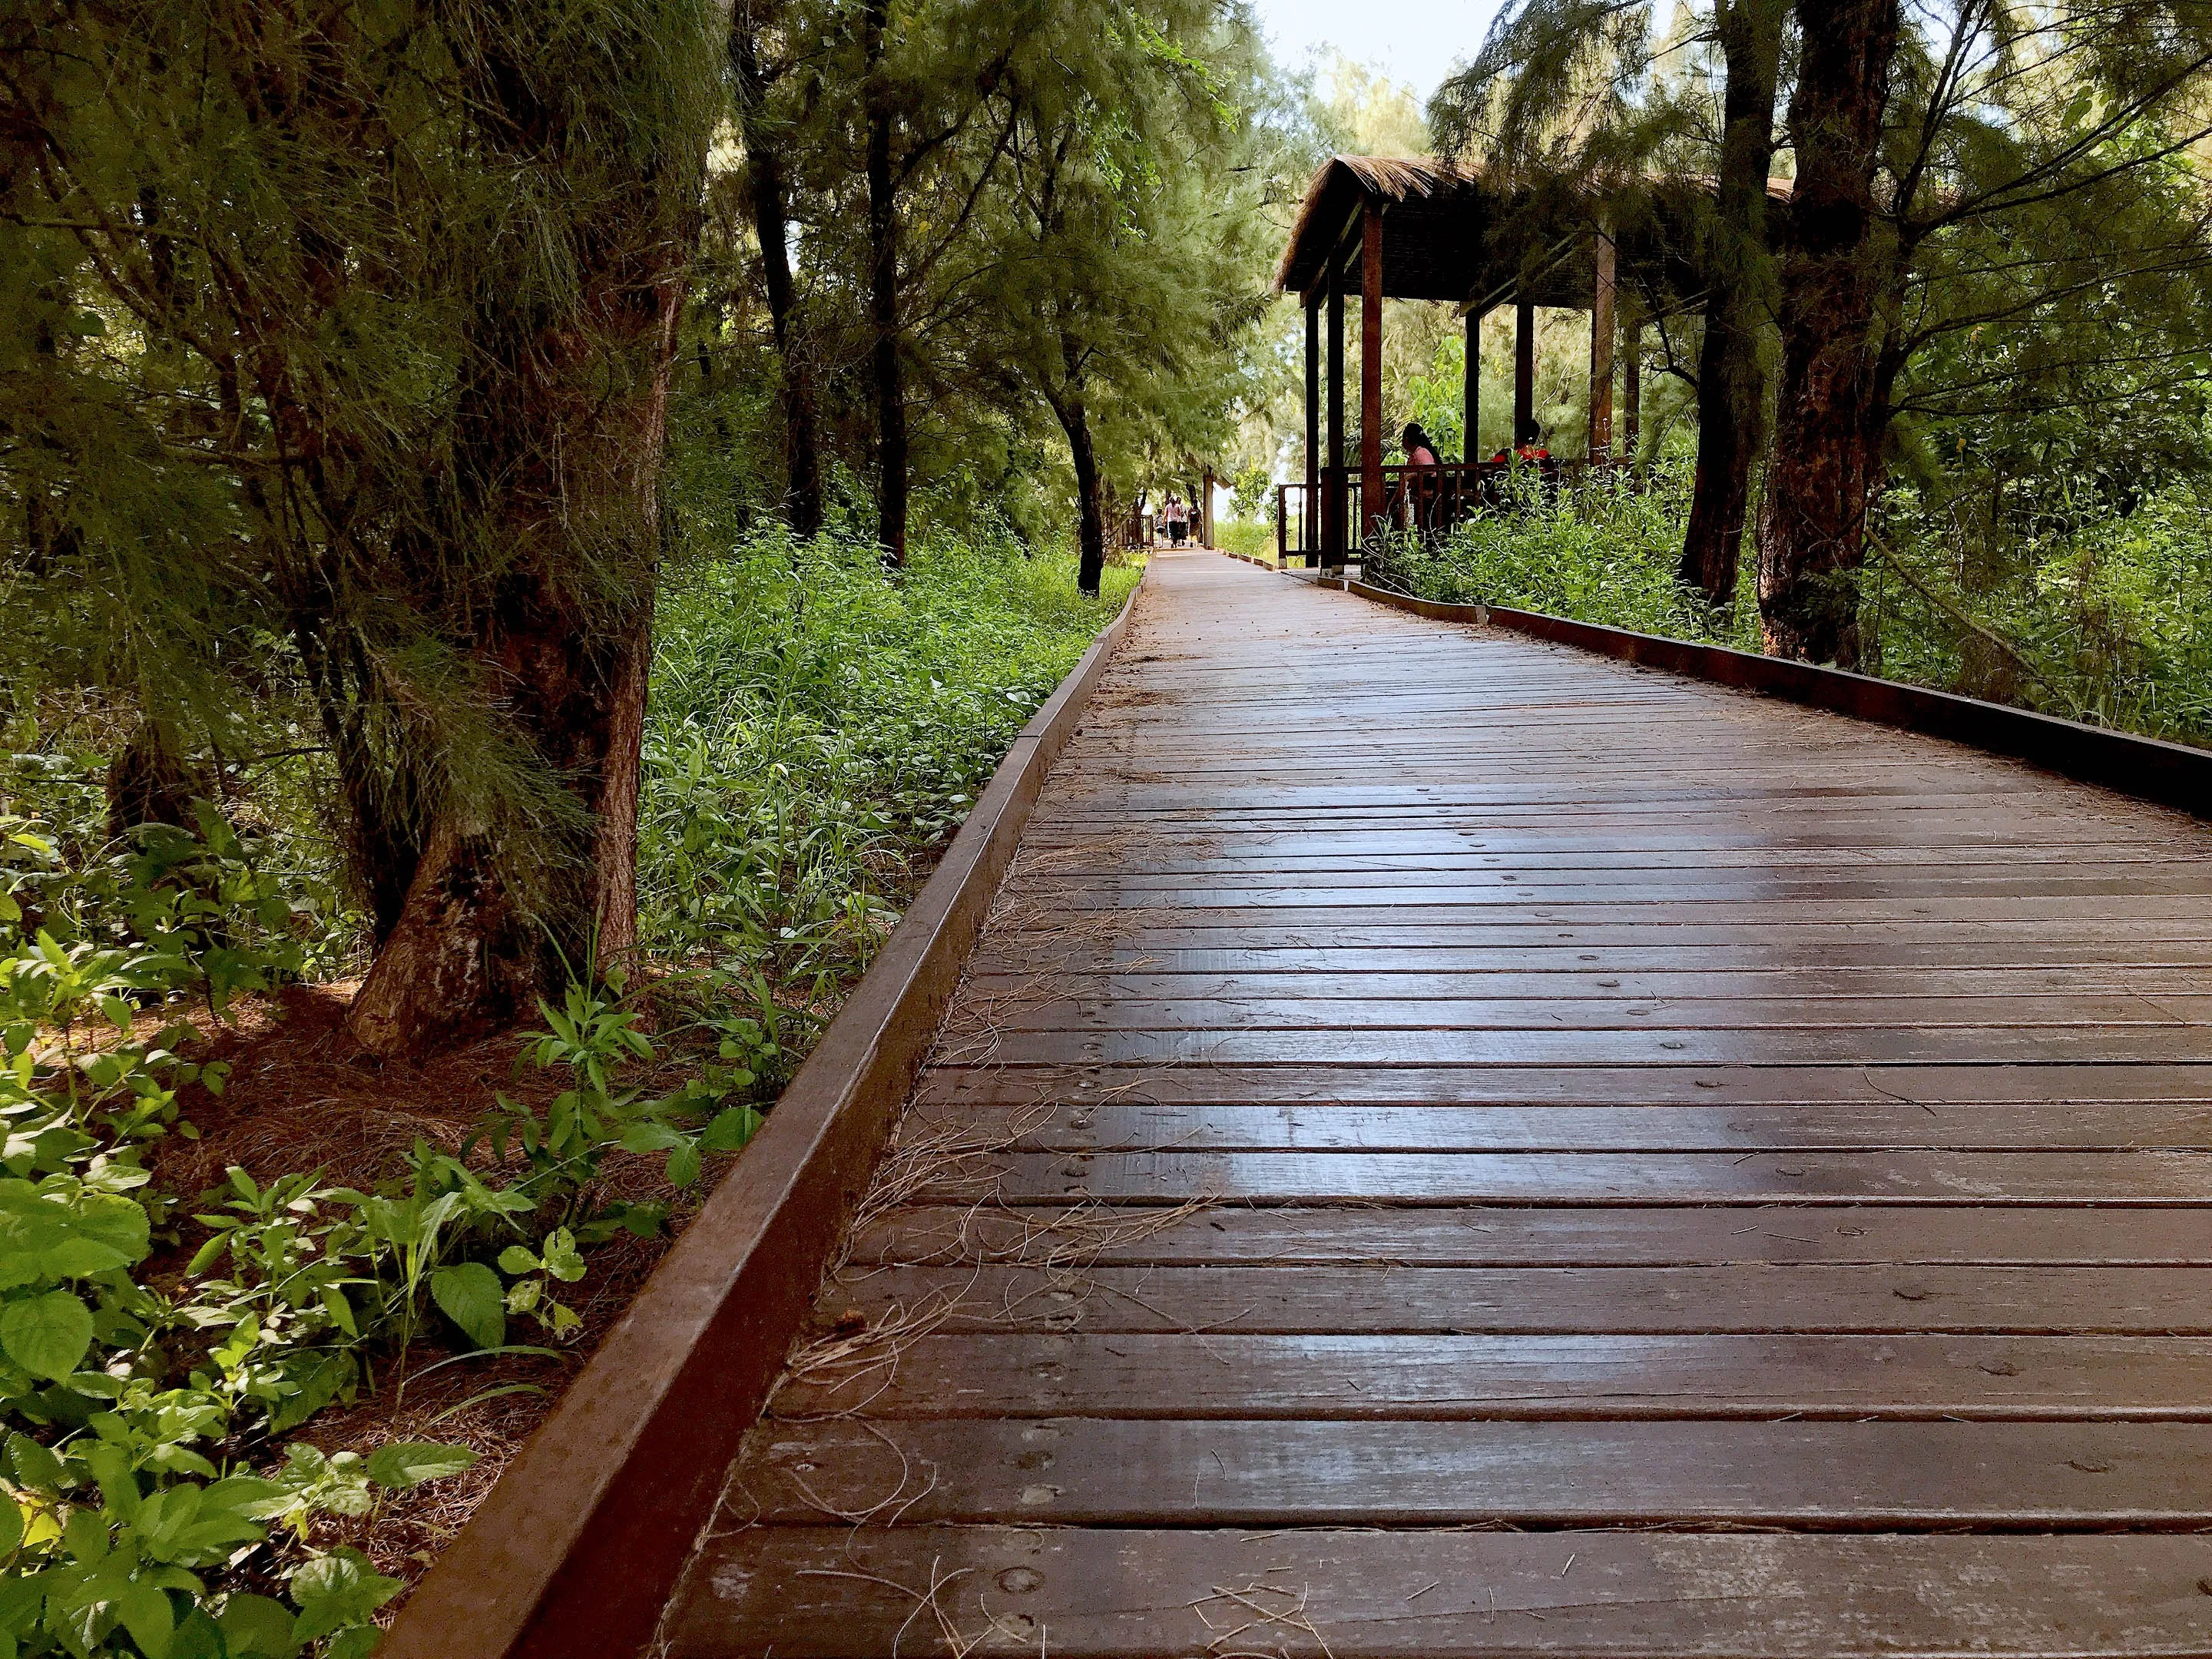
142, 1495
2096, 610
1603, 551
819, 724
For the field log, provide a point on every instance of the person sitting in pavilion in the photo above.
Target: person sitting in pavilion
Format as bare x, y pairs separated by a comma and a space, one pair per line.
1423, 497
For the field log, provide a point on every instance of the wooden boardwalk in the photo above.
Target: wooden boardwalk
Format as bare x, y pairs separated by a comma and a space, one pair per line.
1453, 1145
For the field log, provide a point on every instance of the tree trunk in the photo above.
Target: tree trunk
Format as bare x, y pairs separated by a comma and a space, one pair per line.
564, 431
772, 225
1090, 520
1827, 462
883, 296
149, 780
1740, 298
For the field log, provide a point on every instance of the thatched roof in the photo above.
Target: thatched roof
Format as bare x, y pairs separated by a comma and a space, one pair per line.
1443, 219
1453, 233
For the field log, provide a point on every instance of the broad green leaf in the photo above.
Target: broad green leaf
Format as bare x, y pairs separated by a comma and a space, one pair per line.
404, 1463
340, 1309
336, 1590
684, 1165
470, 1295
35, 1466
646, 1136
47, 1334
11, 1525
255, 1627
563, 1260
515, 1259
145, 1613
730, 1130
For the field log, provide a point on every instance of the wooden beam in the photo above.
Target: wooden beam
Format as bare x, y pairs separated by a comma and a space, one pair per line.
1206, 507
1333, 490
1370, 373
1600, 370
1524, 368
1471, 390
1310, 513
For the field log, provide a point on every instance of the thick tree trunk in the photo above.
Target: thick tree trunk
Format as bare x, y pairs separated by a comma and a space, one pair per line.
883, 296
1090, 513
772, 225
1740, 299
150, 782
566, 457
1827, 467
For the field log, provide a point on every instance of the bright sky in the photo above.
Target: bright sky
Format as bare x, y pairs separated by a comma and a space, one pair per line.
1415, 41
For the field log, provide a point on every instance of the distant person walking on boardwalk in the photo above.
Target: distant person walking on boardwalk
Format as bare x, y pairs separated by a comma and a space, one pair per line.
1176, 518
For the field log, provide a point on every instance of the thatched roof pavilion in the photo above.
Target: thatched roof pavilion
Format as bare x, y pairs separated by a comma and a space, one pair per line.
1386, 227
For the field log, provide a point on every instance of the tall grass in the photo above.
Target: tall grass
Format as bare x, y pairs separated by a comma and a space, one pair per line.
819, 726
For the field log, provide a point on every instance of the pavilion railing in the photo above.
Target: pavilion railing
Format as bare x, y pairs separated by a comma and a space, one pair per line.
1427, 499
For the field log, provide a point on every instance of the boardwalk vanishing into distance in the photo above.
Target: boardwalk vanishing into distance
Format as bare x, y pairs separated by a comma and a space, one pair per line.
1454, 1145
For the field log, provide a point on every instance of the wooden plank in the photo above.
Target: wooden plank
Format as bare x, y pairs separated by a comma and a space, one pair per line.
1285, 1010
1284, 905
1391, 1299
1577, 979
1514, 1377
1930, 1086
1473, 884
836, 1592
1121, 1473
1129, 1126
1657, 1045
1556, 1236
1133, 939
1827, 1175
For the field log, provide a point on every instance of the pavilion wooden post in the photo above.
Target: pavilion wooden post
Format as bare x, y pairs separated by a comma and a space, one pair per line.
1471, 390
1333, 490
1309, 514
1524, 367
1372, 506
1206, 507
1601, 372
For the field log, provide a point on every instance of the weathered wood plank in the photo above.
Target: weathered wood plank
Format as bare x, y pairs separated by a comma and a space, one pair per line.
1121, 1473
2073, 1177
1932, 1085
1528, 1237
1656, 1045
833, 1593
1394, 1299
1507, 1377
1125, 1125
1286, 1010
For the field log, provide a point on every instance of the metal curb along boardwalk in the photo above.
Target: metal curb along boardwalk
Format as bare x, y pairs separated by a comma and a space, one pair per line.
1453, 1145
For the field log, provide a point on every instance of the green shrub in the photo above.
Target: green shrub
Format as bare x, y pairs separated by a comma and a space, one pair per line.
819, 724
1604, 551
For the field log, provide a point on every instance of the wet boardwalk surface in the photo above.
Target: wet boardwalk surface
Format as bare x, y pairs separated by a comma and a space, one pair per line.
1452, 1145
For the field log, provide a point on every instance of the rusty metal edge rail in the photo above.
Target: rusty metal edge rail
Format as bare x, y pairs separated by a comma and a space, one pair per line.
2150, 769
578, 1545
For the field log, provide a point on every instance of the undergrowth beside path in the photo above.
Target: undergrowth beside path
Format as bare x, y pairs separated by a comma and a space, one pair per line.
271, 1314
2097, 615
